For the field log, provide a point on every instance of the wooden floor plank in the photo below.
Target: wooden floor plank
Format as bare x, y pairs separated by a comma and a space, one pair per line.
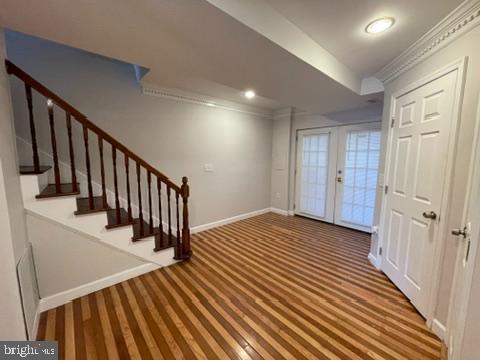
267, 287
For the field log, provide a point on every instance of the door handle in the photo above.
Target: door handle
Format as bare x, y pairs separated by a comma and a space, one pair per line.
430, 215
460, 232
339, 179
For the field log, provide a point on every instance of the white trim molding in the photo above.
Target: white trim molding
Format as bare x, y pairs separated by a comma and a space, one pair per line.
460, 21
66, 296
438, 329
374, 261
280, 211
200, 99
230, 220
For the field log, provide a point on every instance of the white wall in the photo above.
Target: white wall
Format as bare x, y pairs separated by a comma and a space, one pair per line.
12, 226
65, 259
177, 138
466, 45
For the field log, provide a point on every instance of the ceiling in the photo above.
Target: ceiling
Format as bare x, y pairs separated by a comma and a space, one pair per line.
307, 55
339, 25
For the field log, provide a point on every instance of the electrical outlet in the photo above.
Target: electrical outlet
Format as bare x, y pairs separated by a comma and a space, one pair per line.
277, 195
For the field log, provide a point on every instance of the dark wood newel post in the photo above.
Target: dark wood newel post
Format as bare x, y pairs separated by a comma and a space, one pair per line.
186, 250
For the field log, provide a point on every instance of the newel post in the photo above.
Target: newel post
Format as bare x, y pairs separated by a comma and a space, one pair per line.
186, 250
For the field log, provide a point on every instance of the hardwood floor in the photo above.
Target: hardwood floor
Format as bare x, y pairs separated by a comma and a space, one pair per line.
268, 287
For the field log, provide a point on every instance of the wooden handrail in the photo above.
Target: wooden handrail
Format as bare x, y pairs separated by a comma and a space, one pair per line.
12, 69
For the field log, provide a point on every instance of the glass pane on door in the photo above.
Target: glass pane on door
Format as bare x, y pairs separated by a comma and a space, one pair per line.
360, 176
314, 173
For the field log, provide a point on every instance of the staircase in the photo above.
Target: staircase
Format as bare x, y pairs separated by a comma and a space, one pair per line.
150, 220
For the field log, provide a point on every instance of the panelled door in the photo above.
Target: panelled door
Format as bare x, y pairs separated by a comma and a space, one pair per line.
417, 165
337, 171
357, 174
315, 175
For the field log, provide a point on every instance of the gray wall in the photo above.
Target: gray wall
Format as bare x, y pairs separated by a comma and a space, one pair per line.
12, 220
178, 138
467, 45
65, 259
282, 127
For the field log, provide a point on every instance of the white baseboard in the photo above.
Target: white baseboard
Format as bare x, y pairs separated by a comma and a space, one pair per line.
373, 259
32, 334
279, 211
233, 219
438, 329
64, 297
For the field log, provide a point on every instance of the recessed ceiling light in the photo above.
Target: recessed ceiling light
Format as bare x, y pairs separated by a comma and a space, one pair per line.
380, 25
249, 94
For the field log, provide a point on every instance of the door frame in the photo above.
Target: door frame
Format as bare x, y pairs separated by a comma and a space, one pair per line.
342, 134
457, 328
459, 66
332, 157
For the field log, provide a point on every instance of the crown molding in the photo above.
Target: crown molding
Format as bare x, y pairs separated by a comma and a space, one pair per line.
460, 21
199, 99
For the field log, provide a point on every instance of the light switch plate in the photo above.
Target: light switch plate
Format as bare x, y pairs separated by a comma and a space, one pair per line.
208, 167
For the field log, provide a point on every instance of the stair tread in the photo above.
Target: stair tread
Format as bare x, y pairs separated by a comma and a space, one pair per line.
30, 170
51, 191
83, 205
112, 219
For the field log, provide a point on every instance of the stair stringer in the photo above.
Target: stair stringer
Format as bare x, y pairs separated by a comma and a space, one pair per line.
61, 210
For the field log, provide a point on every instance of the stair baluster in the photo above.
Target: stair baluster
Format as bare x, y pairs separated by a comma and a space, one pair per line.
102, 172
115, 184
140, 210
129, 200
87, 164
169, 212
159, 237
56, 169
68, 119
33, 135
150, 216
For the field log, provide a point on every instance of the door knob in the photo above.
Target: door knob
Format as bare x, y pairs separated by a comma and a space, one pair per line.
339, 179
430, 215
460, 232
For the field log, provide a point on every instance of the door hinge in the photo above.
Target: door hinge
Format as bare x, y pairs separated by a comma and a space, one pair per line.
386, 189
392, 123
380, 251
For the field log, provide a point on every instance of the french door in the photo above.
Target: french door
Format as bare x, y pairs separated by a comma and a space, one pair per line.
337, 171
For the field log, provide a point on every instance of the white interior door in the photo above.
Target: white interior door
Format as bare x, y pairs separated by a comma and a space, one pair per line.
315, 175
417, 165
357, 173
463, 313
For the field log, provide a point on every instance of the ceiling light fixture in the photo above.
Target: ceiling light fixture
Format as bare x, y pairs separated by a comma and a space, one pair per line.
249, 94
379, 25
